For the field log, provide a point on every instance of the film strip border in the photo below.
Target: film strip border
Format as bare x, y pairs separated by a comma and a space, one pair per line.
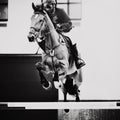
84, 104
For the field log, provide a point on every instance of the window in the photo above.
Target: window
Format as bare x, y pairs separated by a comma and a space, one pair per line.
3, 12
72, 7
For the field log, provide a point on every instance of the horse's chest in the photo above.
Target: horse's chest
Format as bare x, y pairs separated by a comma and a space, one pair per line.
58, 53
61, 53
50, 59
59, 56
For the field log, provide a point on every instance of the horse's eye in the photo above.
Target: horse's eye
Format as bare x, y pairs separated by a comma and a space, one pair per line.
40, 20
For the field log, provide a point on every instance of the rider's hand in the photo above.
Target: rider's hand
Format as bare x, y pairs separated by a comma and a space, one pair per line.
64, 27
59, 28
58, 25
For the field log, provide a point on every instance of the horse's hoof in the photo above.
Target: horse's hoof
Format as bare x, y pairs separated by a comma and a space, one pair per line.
45, 83
38, 66
65, 100
66, 110
77, 99
47, 87
57, 85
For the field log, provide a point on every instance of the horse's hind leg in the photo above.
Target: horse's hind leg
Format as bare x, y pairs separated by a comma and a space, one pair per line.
77, 93
77, 98
65, 97
44, 82
64, 92
78, 81
65, 100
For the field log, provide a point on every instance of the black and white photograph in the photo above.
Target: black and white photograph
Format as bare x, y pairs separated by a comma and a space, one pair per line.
61, 56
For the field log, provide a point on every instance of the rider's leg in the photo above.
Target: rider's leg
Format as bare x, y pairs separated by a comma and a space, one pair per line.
43, 80
78, 61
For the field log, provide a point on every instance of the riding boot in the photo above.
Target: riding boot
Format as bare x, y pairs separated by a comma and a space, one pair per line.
43, 80
78, 61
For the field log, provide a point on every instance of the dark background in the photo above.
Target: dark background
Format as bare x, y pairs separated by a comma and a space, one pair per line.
28, 114
20, 82
3, 14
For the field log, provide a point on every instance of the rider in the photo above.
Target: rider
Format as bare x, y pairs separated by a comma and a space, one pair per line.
62, 24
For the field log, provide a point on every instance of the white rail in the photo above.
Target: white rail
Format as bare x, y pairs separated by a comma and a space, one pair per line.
65, 105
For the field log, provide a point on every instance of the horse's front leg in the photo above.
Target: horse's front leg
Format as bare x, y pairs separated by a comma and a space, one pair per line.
56, 76
45, 84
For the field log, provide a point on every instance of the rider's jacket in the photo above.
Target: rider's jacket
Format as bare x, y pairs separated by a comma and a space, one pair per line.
60, 20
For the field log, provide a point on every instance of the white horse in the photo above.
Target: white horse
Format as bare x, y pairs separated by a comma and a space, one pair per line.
57, 58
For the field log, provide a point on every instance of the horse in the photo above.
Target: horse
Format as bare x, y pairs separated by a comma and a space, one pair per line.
57, 57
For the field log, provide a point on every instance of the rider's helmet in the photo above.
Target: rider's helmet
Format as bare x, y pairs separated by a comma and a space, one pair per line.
49, 5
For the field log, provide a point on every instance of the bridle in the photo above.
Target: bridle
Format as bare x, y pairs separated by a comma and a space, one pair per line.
37, 35
36, 31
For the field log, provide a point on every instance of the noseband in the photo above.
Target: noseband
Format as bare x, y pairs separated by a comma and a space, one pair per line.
36, 31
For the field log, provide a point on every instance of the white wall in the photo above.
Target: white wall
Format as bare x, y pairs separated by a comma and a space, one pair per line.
14, 36
97, 39
100, 34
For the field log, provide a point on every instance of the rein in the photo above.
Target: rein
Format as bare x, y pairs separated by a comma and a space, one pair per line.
51, 50
36, 30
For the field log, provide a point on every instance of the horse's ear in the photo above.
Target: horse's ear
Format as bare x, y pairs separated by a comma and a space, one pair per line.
38, 8
33, 6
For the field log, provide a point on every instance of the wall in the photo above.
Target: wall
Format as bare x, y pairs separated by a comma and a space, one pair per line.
100, 48
14, 37
97, 39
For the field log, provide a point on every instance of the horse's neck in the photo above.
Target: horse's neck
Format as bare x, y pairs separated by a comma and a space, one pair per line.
48, 43
53, 33
51, 41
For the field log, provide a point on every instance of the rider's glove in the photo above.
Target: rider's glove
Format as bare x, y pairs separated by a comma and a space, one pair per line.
64, 27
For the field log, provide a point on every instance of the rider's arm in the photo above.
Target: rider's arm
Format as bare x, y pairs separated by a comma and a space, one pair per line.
64, 23
64, 27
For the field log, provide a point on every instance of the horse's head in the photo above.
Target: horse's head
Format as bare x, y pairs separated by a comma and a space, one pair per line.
38, 24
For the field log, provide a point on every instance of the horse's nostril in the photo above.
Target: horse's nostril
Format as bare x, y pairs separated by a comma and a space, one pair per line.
31, 38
